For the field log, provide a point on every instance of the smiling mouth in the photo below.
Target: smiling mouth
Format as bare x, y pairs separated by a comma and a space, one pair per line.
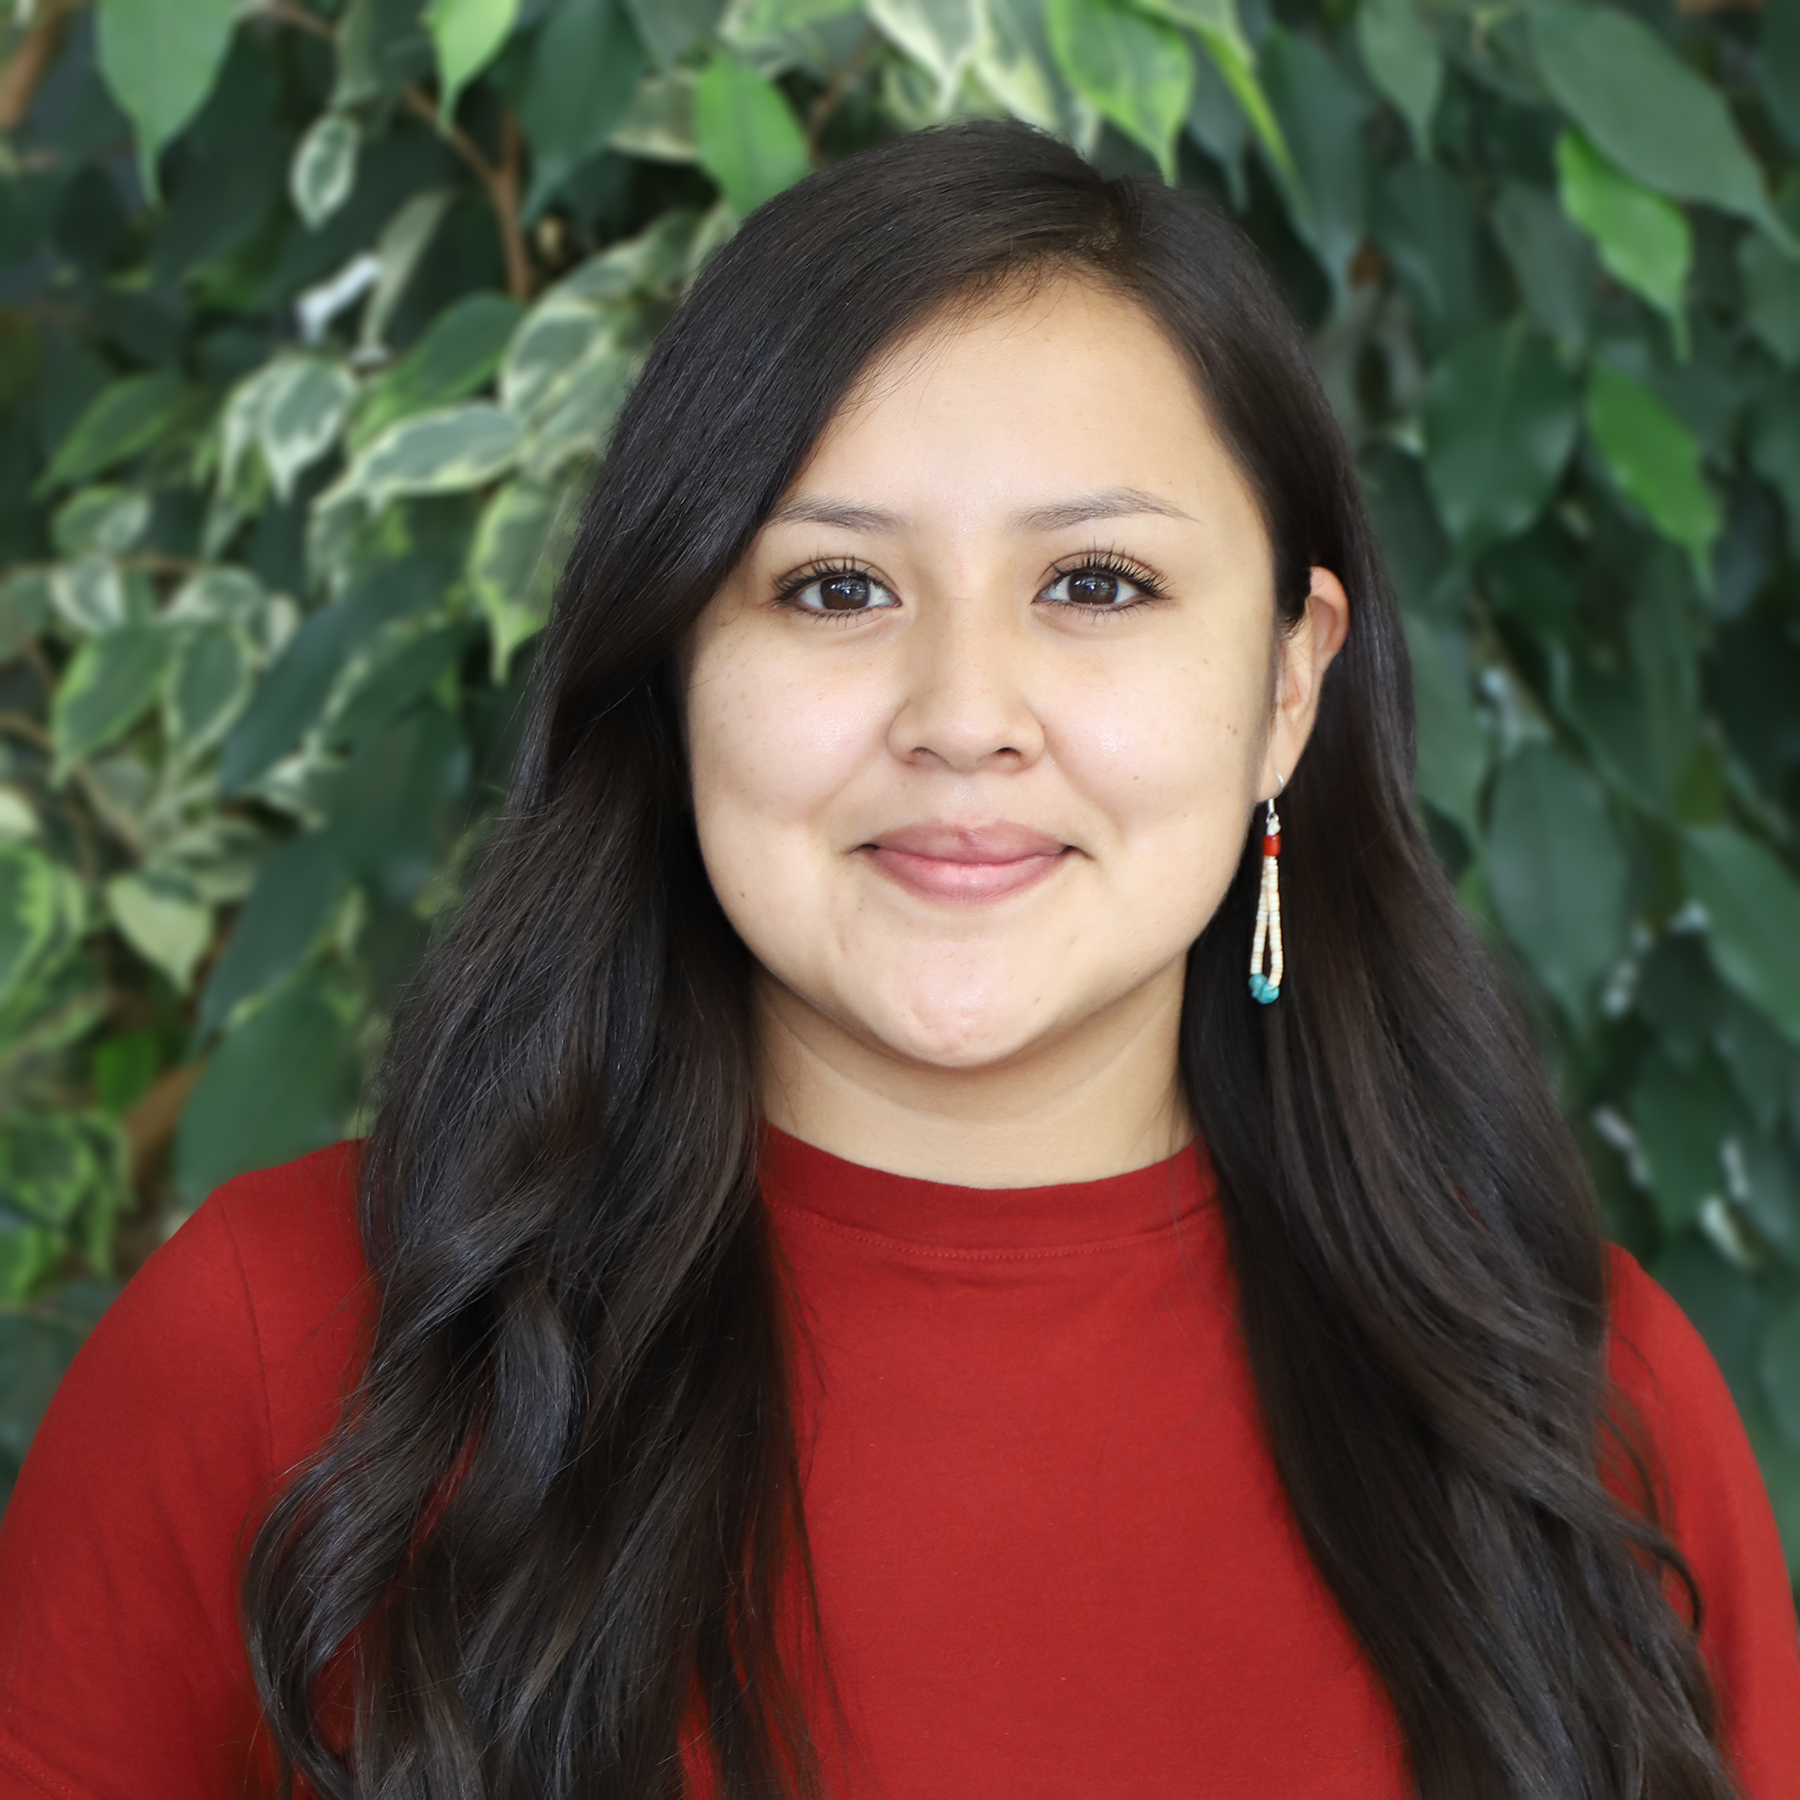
966, 868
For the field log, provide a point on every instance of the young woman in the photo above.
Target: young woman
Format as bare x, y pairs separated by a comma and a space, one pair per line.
958, 1214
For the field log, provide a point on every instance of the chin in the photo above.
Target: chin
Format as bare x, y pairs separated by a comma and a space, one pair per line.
958, 1030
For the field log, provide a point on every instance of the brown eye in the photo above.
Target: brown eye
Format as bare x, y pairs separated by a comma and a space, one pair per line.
850, 591
1093, 588
844, 593
1099, 590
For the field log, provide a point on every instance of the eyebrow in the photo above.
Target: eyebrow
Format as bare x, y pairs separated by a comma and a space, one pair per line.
1106, 503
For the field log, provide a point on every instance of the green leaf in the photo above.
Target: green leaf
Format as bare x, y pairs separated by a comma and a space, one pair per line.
1771, 297
585, 68
581, 410
1324, 110
1644, 241
207, 688
512, 566
305, 401
294, 693
400, 668
1500, 423
382, 48
281, 1084
1752, 905
1647, 112
25, 601
323, 172
940, 35
219, 596
1780, 70
659, 122
1652, 457
554, 339
1775, 449
126, 419
1427, 222
1221, 34
1014, 64
1557, 872
288, 908
459, 351
1780, 1370
1453, 745
1552, 262
394, 808
34, 909
1682, 1118
400, 249
113, 681
670, 28
1412, 536
1404, 61
467, 35
163, 920
446, 451
100, 521
1134, 71
160, 61
91, 594
749, 140
754, 20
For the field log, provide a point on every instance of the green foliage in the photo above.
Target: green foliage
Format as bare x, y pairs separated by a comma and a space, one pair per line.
315, 316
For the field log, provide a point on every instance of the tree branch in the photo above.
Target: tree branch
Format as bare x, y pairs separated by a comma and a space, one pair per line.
500, 181
827, 103
25, 69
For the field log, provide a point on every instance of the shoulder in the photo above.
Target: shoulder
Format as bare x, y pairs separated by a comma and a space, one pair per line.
260, 1294
220, 1366
287, 1239
1716, 1508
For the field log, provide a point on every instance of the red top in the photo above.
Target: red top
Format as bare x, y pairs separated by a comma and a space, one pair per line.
1052, 1555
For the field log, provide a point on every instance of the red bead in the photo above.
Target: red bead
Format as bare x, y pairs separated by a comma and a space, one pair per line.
1271, 846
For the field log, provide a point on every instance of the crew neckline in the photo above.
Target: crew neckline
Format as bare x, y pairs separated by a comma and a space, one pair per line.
946, 1215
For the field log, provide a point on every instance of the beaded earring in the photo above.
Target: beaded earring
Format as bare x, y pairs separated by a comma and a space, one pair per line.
1265, 987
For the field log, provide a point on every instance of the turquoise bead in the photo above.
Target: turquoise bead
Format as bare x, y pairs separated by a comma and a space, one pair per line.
1262, 988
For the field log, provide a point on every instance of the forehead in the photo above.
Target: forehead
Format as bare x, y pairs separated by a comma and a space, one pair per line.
1062, 384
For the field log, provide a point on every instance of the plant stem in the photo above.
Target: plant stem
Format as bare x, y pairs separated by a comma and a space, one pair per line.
500, 182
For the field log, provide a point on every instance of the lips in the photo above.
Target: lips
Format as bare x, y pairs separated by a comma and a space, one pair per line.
966, 865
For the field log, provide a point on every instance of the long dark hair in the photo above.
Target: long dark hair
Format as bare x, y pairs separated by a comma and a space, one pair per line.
559, 1521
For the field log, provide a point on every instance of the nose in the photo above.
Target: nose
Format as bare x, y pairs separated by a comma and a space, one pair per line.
965, 706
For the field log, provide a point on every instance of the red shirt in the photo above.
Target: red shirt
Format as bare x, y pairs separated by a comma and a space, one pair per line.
1052, 1554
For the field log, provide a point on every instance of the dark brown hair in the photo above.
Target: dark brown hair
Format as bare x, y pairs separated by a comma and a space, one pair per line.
560, 1515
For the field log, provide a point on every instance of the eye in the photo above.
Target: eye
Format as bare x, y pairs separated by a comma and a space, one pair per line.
1100, 587
839, 592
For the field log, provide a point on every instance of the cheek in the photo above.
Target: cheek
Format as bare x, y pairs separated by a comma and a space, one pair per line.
770, 748
1167, 751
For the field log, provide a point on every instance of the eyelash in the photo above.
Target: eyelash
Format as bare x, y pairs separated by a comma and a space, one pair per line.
1097, 561
823, 570
1108, 561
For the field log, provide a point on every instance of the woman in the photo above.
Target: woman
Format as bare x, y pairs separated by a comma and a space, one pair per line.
881, 1269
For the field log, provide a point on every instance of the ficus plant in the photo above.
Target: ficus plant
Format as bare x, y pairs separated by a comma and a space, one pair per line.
314, 315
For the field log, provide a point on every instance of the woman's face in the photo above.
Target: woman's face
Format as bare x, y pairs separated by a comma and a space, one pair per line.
978, 724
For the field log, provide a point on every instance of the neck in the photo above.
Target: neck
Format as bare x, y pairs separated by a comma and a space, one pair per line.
1095, 1101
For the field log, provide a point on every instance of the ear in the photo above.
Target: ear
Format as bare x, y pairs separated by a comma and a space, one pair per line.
1302, 657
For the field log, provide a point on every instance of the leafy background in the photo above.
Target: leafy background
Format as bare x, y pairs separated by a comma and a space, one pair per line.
313, 318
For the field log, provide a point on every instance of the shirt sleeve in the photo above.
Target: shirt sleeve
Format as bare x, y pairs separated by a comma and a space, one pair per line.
123, 1674
1719, 1515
